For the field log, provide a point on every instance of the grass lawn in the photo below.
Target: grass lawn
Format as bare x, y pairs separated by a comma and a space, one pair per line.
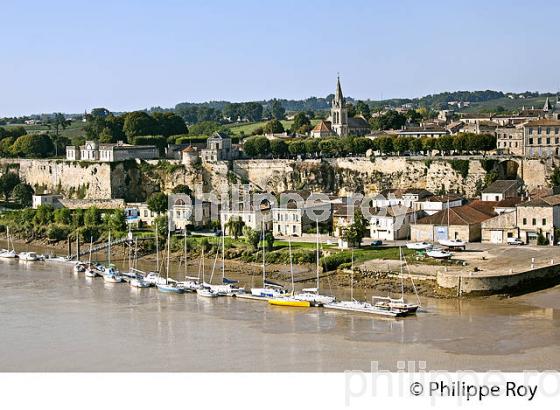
75, 129
248, 128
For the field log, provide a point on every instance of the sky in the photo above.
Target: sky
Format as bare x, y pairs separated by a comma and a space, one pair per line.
71, 56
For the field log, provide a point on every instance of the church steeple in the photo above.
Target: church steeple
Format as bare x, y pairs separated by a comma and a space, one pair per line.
339, 114
547, 106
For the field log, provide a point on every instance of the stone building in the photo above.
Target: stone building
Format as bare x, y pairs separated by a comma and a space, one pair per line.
462, 222
94, 151
321, 130
500, 189
340, 124
253, 217
189, 156
498, 229
218, 148
510, 140
539, 216
542, 138
392, 223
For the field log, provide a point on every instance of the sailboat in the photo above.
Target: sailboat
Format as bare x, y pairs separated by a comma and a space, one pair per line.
91, 271
290, 300
111, 273
137, 277
153, 278
268, 290
400, 303
8, 253
227, 288
168, 286
450, 243
206, 289
354, 305
312, 295
191, 283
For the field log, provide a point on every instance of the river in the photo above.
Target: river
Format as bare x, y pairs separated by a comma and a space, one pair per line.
53, 320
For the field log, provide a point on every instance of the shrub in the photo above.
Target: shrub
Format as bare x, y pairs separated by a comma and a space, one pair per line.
333, 261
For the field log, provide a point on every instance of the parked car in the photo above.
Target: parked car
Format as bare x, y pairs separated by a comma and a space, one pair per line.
514, 241
375, 243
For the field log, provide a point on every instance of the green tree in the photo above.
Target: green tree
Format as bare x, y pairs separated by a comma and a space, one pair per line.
278, 148
269, 241
204, 128
444, 144
33, 146
92, 217
415, 145
355, 233
63, 216
182, 189
311, 146
277, 110
301, 124
169, 123
139, 123
234, 227
23, 194
391, 120
297, 147
8, 181
363, 109
252, 237
274, 127
43, 216
385, 145
116, 221
157, 202
401, 144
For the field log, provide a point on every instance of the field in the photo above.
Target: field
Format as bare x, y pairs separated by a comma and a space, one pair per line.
75, 129
247, 129
508, 104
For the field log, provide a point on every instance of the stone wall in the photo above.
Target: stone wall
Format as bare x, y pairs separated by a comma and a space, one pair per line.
515, 283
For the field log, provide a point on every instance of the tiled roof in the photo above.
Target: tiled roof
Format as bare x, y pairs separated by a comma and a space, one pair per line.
542, 202
322, 127
543, 122
460, 215
500, 186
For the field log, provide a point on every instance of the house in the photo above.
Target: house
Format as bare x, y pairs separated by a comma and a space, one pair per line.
252, 217
218, 148
540, 216
420, 132
509, 140
46, 199
391, 223
498, 229
436, 203
500, 189
542, 138
94, 151
321, 130
182, 214
189, 156
294, 219
461, 222
406, 197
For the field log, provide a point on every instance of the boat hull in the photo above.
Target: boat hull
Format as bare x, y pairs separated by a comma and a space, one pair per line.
289, 302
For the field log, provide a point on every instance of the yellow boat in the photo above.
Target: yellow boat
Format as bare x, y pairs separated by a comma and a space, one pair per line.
289, 302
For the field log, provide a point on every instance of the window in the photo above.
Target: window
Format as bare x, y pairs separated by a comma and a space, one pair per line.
556, 130
539, 130
544, 221
524, 221
548, 130
534, 221
530, 141
530, 130
539, 141
548, 140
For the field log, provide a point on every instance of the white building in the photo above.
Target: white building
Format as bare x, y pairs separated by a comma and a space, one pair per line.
391, 223
47, 199
94, 151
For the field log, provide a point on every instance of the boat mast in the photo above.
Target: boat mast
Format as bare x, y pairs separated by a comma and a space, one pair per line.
291, 263
263, 250
90, 248
185, 251
223, 253
109, 251
168, 249
317, 254
352, 277
402, 279
157, 249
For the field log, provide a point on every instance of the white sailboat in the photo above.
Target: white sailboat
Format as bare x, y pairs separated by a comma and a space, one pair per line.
227, 287
91, 271
354, 305
398, 304
28, 256
169, 286
449, 242
268, 290
419, 246
206, 289
111, 273
9, 253
312, 295
439, 253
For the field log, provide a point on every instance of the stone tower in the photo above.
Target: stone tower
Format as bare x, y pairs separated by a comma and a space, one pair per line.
339, 114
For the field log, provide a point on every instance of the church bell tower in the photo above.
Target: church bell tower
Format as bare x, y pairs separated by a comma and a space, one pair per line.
339, 114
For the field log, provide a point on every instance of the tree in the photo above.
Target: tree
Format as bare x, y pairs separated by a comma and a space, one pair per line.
235, 227
169, 124
63, 216
33, 146
460, 143
269, 241
92, 217
138, 123
116, 221
298, 147
414, 116
415, 145
277, 110
252, 237
356, 231
8, 181
157, 202
401, 144
23, 194
204, 128
301, 124
391, 120
363, 109
444, 144
58, 122
43, 216
385, 145
182, 189
274, 127
278, 148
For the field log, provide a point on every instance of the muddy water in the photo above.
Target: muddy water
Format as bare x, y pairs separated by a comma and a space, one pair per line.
53, 320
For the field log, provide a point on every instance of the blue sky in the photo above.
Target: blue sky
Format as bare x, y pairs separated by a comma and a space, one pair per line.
74, 55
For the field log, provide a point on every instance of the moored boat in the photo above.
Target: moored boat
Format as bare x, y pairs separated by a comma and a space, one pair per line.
28, 256
439, 254
289, 301
419, 246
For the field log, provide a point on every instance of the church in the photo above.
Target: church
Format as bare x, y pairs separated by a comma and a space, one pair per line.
338, 123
